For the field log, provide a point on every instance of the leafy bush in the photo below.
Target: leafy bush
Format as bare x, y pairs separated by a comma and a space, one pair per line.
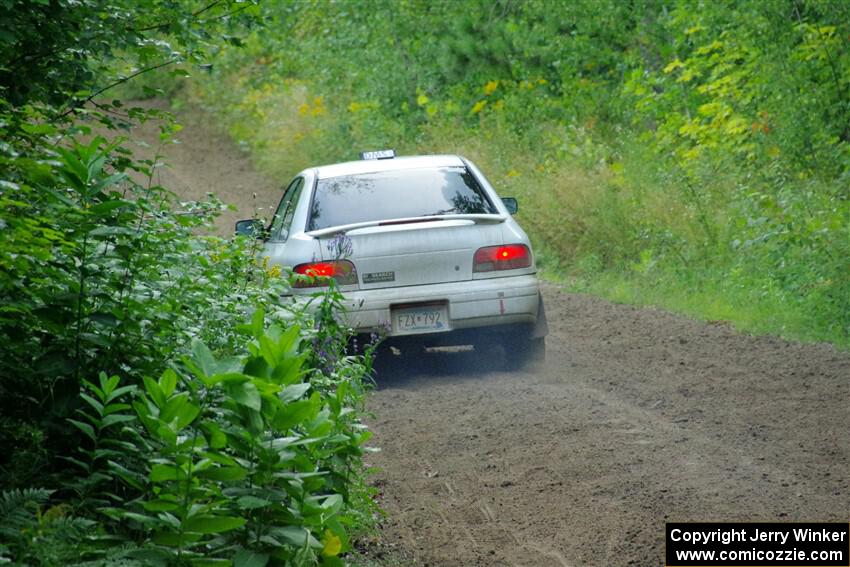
246, 459
252, 457
247, 448
100, 274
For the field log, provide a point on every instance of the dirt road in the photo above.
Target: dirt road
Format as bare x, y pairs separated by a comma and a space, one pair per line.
639, 417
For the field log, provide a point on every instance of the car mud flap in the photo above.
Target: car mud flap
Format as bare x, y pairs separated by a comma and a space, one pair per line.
541, 327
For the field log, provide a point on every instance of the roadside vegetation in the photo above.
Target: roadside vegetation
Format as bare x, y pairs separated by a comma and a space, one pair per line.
686, 154
161, 401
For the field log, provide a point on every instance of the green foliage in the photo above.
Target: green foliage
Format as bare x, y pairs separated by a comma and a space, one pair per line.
65, 54
33, 532
100, 274
247, 449
252, 459
246, 457
684, 145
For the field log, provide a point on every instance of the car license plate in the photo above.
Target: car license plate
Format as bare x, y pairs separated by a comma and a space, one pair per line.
426, 318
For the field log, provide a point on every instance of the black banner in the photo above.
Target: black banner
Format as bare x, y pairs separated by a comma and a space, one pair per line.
804, 544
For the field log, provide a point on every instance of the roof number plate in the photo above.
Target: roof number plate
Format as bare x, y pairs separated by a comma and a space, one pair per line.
380, 154
378, 277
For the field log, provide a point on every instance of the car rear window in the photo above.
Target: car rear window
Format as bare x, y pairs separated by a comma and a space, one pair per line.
389, 195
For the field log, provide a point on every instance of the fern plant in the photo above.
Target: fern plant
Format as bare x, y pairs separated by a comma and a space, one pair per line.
36, 533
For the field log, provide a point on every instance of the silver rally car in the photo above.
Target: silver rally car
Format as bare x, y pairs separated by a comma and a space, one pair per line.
422, 248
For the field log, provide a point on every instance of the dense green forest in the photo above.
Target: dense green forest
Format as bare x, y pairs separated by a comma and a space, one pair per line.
161, 401
685, 153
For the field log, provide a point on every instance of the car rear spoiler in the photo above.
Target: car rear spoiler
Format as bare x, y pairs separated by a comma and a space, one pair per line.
343, 228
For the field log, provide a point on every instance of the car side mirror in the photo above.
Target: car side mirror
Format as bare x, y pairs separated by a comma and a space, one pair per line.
511, 204
253, 228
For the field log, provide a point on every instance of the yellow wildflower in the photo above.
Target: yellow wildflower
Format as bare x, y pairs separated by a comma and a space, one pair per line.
479, 106
490, 87
331, 544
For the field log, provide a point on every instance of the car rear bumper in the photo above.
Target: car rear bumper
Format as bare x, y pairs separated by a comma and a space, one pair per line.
471, 304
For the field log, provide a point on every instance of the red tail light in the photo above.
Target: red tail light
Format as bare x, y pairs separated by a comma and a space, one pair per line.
320, 273
507, 257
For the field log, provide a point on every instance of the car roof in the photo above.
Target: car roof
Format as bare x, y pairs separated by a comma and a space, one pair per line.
394, 164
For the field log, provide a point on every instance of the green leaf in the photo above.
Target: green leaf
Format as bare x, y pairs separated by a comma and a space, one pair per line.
204, 357
229, 365
296, 536
171, 539
100, 393
210, 562
112, 231
168, 381
296, 413
289, 369
257, 367
226, 377
252, 502
116, 418
106, 182
118, 392
174, 404
288, 341
96, 339
141, 518
98, 407
154, 391
39, 129
163, 473
166, 434
246, 394
246, 558
333, 504
160, 506
186, 416
258, 323
224, 473
85, 428
217, 438
107, 384
294, 392
133, 479
109, 206
213, 524
269, 351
